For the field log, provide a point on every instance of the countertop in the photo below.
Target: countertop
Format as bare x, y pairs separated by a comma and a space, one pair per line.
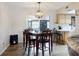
64, 27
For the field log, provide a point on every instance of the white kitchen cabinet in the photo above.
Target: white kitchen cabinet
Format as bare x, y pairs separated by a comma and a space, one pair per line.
64, 18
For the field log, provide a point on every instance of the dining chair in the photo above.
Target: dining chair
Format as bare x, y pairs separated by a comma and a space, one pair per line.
24, 38
51, 32
46, 37
30, 42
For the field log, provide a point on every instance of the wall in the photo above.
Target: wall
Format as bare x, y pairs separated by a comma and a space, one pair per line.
18, 15
4, 27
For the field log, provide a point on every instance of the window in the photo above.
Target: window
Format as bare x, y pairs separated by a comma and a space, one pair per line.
35, 23
48, 24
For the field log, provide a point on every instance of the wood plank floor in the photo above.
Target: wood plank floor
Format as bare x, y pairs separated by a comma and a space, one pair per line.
14, 50
18, 50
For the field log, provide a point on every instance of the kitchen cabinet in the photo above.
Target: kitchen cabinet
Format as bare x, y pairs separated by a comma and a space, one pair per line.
64, 18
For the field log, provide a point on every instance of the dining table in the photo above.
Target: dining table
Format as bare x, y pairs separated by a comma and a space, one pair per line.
36, 34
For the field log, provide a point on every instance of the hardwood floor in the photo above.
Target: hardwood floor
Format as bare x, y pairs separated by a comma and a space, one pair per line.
14, 50
18, 50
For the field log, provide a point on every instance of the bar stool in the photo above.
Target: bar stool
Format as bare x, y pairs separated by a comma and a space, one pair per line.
59, 38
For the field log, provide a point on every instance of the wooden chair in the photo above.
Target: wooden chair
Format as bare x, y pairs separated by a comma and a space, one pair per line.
51, 32
57, 36
46, 37
30, 42
26, 38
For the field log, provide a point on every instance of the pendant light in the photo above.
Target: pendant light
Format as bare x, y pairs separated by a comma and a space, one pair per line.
39, 12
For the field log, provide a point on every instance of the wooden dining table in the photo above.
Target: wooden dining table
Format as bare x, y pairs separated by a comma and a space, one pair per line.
37, 34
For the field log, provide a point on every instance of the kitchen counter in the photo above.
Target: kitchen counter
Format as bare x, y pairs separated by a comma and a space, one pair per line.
65, 30
73, 45
64, 27
65, 33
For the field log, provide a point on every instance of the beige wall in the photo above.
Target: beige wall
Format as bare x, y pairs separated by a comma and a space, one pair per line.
18, 16
4, 27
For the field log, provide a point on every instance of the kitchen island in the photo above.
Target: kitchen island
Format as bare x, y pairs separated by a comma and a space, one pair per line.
65, 30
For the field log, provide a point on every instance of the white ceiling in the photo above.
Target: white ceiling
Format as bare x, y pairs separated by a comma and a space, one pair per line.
44, 5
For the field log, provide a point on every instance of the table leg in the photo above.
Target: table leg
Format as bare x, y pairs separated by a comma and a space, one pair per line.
37, 47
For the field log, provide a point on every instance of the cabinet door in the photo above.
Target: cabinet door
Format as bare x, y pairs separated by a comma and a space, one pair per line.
68, 19
62, 19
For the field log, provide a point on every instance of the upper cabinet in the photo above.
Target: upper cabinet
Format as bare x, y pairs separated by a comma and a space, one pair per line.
61, 19
66, 19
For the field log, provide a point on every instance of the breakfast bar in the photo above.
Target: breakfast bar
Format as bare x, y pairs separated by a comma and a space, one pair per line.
65, 30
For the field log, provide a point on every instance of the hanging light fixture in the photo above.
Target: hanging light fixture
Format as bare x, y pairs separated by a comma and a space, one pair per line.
39, 13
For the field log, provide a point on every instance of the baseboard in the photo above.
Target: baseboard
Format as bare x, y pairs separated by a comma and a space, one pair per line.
4, 49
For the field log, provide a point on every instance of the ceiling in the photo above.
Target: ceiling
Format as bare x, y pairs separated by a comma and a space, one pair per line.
44, 5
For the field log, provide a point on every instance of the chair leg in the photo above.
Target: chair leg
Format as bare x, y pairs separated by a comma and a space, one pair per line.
42, 49
26, 46
29, 49
34, 48
23, 40
51, 46
37, 48
49, 49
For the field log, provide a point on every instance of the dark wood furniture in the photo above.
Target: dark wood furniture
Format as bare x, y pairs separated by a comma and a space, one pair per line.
41, 37
45, 37
25, 36
31, 41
